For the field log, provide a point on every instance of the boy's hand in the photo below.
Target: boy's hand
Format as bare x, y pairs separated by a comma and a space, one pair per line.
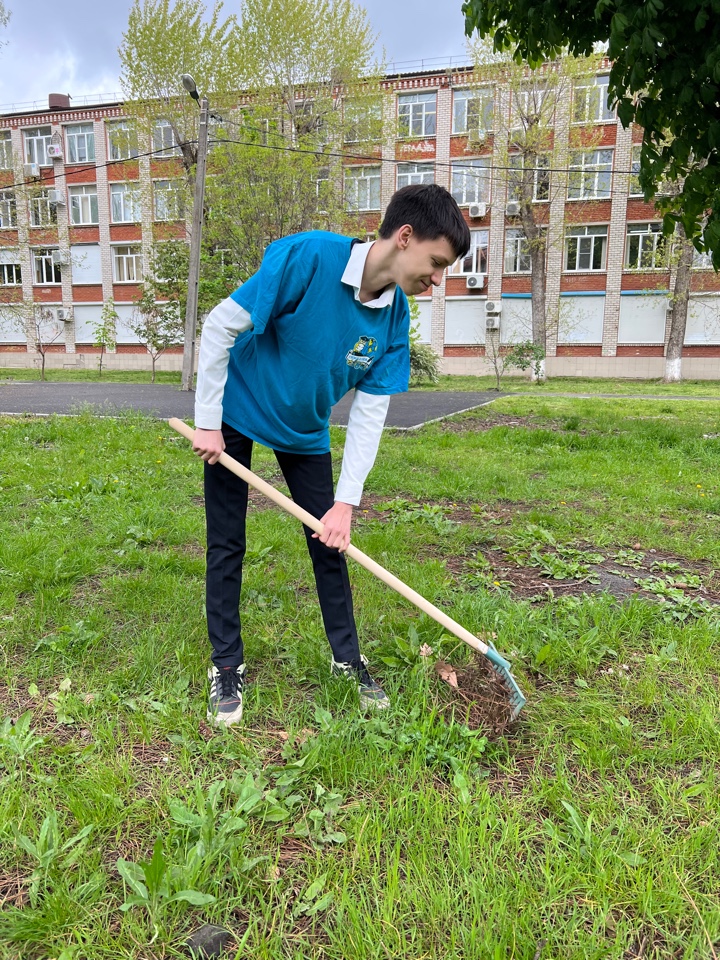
208, 444
337, 522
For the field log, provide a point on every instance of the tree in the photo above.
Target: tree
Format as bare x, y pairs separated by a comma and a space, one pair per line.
35, 324
533, 141
159, 317
665, 76
156, 326
104, 331
424, 362
163, 40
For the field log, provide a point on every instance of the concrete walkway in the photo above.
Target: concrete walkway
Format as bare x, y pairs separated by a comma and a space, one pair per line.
407, 410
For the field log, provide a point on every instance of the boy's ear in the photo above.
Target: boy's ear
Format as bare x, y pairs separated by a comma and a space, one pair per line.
403, 235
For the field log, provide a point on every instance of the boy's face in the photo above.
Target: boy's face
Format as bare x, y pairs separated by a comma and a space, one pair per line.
420, 263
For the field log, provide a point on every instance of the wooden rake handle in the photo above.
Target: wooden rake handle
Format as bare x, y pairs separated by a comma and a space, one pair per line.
380, 572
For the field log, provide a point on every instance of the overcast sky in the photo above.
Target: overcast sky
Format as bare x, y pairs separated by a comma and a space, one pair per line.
72, 47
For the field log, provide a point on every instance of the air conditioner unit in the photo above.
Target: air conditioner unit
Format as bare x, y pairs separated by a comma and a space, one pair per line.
492, 321
31, 169
475, 281
493, 308
477, 210
513, 208
55, 151
57, 197
64, 315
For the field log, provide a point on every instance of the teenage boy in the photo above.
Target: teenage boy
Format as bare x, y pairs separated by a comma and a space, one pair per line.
323, 315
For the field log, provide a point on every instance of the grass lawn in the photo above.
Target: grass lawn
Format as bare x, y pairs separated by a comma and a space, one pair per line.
572, 385
584, 534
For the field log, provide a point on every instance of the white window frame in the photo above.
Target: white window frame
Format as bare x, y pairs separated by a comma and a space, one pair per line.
167, 201
35, 142
417, 115
127, 263
10, 270
164, 144
8, 209
412, 172
634, 188
125, 202
650, 242
590, 175
80, 142
521, 104
478, 120
585, 243
6, 150
43, 267
702, 261
43, 213
476, 259
590, 101
126, 146
541, 177
470, 180
365, 193
83, 205
517, 252
362, 121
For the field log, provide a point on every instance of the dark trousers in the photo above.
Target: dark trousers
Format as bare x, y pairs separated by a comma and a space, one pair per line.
309, 478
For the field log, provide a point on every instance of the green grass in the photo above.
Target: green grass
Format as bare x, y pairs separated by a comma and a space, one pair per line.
571, 385
589, 831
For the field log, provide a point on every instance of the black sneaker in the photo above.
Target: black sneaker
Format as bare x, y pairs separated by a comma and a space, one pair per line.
226, 687
372, 695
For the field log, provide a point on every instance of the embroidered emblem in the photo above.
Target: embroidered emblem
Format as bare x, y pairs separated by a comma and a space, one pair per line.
362, 354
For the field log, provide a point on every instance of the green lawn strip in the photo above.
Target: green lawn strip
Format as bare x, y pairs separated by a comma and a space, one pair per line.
321, 833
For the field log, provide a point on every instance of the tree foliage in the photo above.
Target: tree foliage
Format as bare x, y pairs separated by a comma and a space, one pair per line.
665, 76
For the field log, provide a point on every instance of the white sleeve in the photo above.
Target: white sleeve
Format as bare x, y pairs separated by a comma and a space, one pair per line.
221, 327
364, 429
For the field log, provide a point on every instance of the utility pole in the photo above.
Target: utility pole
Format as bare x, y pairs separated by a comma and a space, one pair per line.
188, 366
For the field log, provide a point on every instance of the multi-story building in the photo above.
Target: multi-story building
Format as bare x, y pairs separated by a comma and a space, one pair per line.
77, 231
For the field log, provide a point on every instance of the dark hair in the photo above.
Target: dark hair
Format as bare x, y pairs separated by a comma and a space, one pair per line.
431, 211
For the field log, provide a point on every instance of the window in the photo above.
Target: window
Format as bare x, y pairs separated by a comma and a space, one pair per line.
473, 111
476, 259
417, 114
127, 264
517, 252
528, 105
408, 173
36, 143
10, 272
634, 188
470, 181
167, 200
590, 101
585, 248
540, 176
43, 213
702, 261
83, 204
590, 175
363, 120
645, 247
8, 209
80, 143
125, 206
6, 153
45, 267
362, 187
164, 143
122, 140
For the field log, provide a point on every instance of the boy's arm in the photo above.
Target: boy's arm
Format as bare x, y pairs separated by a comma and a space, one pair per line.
365, 425
220, 330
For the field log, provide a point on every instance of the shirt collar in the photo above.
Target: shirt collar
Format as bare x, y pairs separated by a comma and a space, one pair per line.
354, 272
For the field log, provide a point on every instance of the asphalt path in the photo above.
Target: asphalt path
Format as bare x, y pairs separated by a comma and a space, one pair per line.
407, 410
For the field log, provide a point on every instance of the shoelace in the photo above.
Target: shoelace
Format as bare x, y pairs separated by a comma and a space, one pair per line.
229, 682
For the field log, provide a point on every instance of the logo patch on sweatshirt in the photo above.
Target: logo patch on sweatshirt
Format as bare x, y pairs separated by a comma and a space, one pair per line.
362, 354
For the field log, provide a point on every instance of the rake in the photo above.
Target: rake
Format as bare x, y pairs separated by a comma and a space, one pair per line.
500, 666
